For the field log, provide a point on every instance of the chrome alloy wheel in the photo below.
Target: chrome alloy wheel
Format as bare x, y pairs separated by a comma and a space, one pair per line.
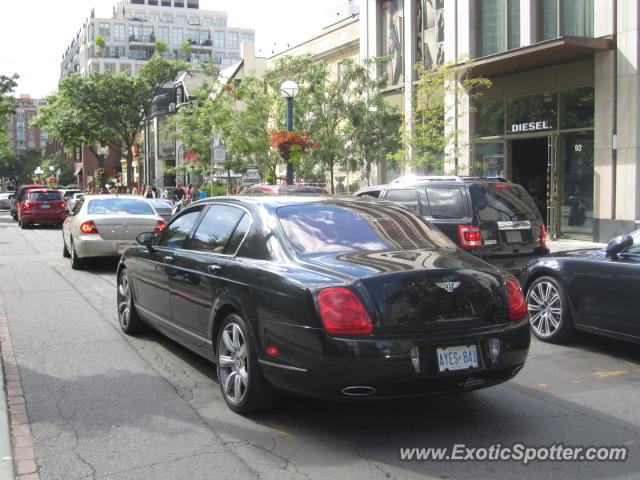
232, 363
545, 308
124, 301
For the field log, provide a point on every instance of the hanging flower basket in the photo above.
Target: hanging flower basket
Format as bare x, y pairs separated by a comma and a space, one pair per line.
291, 145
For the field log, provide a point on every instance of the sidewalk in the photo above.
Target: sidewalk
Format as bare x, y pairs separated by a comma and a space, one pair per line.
563, 245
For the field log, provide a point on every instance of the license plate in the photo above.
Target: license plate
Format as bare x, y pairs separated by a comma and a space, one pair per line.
45, 206
513, 236
460, 357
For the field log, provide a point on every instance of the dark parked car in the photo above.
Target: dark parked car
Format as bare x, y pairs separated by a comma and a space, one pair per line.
42, 206
490, 218
592, 290
324, 297
19, 196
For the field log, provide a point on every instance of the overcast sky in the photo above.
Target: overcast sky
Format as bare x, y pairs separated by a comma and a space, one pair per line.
35, 33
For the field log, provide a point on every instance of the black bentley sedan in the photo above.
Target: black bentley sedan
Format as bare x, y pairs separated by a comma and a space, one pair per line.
333, 298
592, 290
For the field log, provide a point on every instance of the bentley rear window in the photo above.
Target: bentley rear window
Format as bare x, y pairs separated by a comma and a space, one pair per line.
316, 228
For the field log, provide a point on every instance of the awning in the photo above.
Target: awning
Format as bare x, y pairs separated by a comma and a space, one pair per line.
78, 170
543, 54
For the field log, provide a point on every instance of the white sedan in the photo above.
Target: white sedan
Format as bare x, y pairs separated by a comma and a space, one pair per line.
105, 225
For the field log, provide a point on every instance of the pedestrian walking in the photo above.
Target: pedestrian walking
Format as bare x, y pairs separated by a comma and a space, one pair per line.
195, 194
178, 193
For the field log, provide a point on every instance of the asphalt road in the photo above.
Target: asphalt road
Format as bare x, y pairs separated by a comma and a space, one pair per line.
104, 405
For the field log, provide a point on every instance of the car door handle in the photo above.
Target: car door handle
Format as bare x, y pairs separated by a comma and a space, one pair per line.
214, 268
167, 259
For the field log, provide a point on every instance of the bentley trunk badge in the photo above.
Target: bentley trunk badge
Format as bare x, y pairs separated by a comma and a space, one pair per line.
448, 286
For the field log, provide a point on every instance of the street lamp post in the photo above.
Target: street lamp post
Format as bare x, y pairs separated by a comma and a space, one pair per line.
38, 171
289, 89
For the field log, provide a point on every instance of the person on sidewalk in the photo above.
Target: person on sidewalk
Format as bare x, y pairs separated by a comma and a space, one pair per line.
149, 193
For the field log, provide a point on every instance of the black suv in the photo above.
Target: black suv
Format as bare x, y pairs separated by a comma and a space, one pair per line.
491, 218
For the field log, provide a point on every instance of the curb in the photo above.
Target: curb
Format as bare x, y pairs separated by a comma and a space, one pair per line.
14, 421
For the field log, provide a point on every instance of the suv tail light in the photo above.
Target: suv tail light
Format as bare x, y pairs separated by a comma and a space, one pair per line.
159, 227
469, 236
89, 227
26, 205
517, 303
543, 235
63, 205
343, 313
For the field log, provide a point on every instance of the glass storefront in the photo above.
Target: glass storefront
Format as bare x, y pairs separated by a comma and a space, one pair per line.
551, 134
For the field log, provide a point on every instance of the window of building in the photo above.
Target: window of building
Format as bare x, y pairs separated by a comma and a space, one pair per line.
207, 21
44, 135
138, 2
233, 39
218, 57
118, 32
154, 18
152, 2
497, 26
163, 34
94, 68
167, 18
10, 134
565, 17
532, 113
393, 39
220, 22
21, 143
20, 125
246, 37
218, 39
125, 67
104, 30
20, 116
166, 3
178, 3
193, 36
109, 67
43, 143
32, 144
119, 52
490, 119
181, 19
576, 108
178, 36
194, 21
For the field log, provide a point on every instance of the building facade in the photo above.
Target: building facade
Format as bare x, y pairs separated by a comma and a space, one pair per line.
562, 116
131, 34
21, 135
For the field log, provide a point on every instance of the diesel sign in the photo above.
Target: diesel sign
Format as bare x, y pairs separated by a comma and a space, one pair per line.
530, 127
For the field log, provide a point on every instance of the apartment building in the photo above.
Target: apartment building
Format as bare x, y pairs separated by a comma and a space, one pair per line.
21, 135
130, 36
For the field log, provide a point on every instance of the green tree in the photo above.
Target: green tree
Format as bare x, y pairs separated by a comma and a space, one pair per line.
431, 134
105, 108
7, 108
61, 169
342, 108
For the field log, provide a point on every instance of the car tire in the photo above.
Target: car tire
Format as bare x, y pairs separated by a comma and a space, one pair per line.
22, 224
76, 263
243, 386
130, 322
549, 311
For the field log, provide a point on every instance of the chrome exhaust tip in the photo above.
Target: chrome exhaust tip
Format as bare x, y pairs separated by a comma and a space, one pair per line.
358, 391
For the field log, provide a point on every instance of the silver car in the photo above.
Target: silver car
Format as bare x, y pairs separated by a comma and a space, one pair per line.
105, 225
5, 201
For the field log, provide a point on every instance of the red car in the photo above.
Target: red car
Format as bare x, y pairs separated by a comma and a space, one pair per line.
43, 206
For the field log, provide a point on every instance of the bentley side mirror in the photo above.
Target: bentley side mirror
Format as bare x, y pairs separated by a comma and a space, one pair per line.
147, 239
618, 245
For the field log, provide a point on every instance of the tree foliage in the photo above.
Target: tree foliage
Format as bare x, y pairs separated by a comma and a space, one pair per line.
343, 113
105, 108
432, 134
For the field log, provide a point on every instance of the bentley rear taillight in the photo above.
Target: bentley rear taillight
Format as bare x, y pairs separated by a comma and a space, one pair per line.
343, 313
517, 303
